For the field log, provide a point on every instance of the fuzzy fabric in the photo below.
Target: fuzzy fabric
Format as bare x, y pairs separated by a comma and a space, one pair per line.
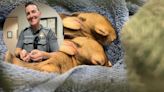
82, 78
143, 38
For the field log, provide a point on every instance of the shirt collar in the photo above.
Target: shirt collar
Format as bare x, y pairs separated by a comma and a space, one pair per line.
35, 32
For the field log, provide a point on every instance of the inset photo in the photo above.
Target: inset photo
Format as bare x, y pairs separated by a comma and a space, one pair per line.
31, 17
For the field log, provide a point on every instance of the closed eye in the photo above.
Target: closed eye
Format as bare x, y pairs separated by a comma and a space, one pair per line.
82, 19
77, 45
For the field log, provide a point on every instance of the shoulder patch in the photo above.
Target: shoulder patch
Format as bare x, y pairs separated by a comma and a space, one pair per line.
45, 31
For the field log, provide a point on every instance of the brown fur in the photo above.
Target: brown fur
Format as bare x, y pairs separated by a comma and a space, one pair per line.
62, 61
91, 25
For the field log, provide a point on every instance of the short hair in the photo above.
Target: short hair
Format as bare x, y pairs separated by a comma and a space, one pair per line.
31, 3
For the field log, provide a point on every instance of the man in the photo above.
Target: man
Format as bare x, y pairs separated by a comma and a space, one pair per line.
35, 43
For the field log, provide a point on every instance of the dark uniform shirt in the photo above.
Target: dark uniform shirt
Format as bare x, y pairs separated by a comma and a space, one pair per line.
43, 39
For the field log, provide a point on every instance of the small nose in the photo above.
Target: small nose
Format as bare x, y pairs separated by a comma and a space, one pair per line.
97, 59
30, 15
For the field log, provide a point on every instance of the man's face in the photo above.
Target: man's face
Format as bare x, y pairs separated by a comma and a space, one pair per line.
33, 15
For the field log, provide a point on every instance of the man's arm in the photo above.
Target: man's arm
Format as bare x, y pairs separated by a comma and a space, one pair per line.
19, 45
37, 55
22, 54
68, 47
52, 41
19, 52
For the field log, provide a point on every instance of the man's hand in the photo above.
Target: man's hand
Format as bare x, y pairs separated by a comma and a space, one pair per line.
24, 55
36, 55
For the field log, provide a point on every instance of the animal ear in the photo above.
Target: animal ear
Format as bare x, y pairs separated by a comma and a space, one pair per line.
106, 32
99, 30
72, 23
66, 50
68, 47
